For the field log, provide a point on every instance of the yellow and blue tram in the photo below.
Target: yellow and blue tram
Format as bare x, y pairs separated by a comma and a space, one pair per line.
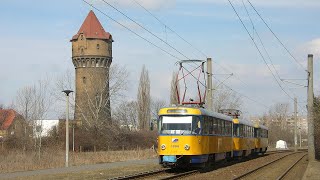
196, 136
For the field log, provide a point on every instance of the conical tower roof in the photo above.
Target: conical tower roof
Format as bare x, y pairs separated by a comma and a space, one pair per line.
92, 28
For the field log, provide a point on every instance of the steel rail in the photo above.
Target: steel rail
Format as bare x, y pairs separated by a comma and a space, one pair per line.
180, 175
286, 172
140, 175
258, 168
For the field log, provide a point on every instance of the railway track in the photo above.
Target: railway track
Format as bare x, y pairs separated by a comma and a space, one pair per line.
163, 174
169, 173
250, 174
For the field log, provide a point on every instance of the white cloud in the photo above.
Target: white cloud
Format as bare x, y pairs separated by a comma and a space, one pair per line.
312, 47
149, 4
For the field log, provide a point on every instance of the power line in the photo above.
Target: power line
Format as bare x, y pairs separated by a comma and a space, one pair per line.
145, 29
167, 27
265, 49
263, 58
190, 43
131, 30
157, 45
277, 37
152, 35
269, 57
251, 99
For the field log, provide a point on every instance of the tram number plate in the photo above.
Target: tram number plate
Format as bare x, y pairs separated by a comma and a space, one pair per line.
174, 146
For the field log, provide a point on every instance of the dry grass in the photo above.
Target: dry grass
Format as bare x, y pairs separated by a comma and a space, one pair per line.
11, 161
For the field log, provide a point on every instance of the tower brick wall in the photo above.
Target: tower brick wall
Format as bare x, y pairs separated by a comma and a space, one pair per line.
92, 57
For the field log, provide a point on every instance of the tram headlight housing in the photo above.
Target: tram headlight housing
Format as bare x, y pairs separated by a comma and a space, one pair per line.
163, 146
186, 147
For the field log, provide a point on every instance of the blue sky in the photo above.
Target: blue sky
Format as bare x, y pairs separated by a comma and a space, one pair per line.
35, 43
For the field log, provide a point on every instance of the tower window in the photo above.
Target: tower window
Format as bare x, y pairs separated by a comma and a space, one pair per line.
81, 51
81, 37
98, 46
84, 80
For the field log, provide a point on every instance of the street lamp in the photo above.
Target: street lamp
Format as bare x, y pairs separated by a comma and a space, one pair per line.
67, 92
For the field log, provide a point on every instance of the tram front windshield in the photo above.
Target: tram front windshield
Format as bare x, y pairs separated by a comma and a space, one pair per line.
179, 125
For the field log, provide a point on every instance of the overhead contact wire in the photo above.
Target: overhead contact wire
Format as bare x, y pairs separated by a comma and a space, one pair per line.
295, 59
131, 31
263, 58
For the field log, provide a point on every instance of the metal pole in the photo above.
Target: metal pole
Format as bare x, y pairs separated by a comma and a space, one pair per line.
67, 92
311, 150
300, 130
67, 133
73, 135
209, 86
295, 125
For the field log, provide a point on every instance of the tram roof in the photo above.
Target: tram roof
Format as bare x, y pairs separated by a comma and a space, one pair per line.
261, 126
182, 110
245, 122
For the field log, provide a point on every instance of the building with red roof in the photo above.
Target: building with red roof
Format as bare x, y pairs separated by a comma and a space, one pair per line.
10, 123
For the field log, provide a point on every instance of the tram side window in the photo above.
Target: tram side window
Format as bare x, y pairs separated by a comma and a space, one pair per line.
210, 122
223, 129
228, 128
221, 124
236, 130
264, 133
241, 130
219, 127
247, 131
215, 126
244, 131
206, 126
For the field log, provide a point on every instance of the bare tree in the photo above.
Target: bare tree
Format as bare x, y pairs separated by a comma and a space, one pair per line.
33, 103
278, 124
126, 115
118, 82
156, 105
174, 89
143, 100
224, 98
279, 114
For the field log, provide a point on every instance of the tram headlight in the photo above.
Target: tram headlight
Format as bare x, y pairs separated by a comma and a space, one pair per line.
163, 146
186, 147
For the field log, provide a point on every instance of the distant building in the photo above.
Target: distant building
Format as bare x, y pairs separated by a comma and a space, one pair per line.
11, 123
44, 127
302, 123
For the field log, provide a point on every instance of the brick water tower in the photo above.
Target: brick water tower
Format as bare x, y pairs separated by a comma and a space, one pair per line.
92, 57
